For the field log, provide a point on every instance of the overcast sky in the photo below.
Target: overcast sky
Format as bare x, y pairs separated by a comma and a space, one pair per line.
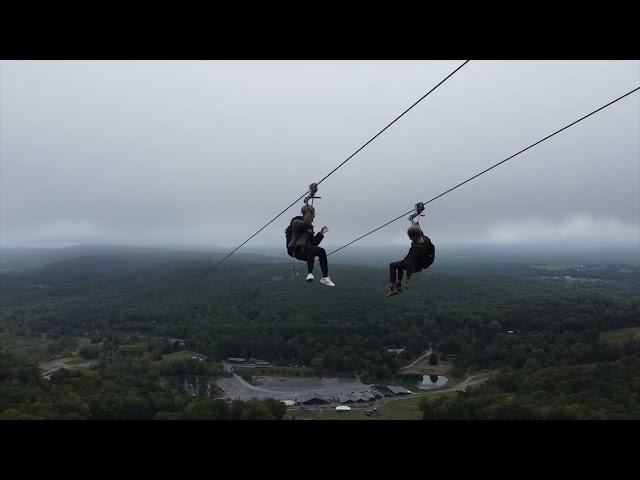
205, 152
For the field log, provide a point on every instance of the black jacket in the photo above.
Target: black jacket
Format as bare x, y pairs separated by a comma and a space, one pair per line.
420, 256
302, 236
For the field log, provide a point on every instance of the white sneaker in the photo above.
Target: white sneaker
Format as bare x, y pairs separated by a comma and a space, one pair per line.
310, 277
327, 281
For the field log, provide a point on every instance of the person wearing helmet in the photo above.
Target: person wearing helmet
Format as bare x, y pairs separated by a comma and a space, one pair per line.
420, 256
304, 244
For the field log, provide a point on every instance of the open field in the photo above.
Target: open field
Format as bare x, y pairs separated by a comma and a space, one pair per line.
331, 414
184, 354
394, 408
620, 335
31, 346
407, 408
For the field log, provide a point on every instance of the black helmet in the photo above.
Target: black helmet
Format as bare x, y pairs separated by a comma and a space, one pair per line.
414, 231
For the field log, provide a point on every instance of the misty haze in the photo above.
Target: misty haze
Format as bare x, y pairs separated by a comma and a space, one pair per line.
137, 280
205, 152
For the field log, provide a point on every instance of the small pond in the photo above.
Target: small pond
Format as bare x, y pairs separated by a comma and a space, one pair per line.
432, 381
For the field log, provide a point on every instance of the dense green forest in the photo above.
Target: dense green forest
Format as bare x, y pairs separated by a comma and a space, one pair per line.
130, 304
122, 386
606, 389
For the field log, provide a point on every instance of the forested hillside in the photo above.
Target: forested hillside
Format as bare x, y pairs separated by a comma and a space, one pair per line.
485, 321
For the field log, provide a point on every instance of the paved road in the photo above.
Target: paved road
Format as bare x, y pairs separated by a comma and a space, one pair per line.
470, 381
417, 360
248, 386
52, 366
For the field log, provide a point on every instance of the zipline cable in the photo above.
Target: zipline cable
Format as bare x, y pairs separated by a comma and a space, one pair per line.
490, 168
332, 171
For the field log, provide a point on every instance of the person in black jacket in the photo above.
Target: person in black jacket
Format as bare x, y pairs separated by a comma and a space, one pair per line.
420, 256
304, 244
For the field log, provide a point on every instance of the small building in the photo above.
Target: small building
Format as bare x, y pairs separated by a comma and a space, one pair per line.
369, 396
360, 397
343, 408
313, 400
288, 403
236, 360
396, 390
382, 390
397, 351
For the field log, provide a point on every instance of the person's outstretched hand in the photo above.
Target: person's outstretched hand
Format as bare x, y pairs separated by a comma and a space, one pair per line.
324, 230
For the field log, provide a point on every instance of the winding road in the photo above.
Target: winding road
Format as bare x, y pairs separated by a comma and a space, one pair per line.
470, 381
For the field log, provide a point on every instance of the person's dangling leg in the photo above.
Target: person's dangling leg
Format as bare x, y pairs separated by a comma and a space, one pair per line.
395, 277
406, 282
393, 272
311, 259
324, 266
322, 258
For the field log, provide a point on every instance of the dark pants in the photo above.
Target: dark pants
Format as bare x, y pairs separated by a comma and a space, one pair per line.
312, 252
396, 271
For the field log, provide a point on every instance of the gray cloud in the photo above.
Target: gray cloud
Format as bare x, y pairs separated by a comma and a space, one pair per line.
208, 151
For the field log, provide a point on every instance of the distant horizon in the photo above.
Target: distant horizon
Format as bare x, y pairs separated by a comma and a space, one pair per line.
447, 255
560, 247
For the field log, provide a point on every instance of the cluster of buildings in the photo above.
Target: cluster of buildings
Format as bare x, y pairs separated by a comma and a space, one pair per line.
567, 278
249, 361
360, 397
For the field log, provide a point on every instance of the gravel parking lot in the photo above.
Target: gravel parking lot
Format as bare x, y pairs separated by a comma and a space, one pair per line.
288, 388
